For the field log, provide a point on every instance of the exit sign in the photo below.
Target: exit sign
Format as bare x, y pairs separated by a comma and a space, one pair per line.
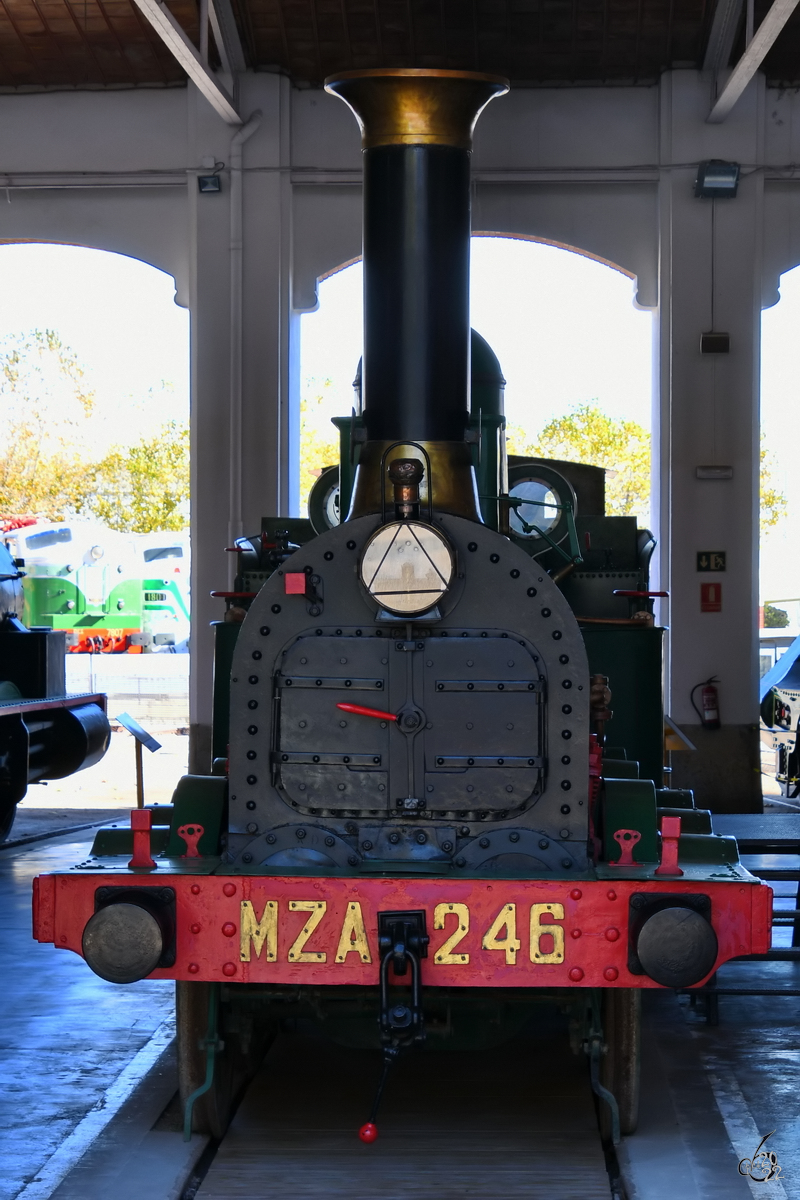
711, 560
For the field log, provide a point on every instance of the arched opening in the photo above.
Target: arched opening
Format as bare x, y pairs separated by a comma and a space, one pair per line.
94, 476
780, 430
779, 515
575, 350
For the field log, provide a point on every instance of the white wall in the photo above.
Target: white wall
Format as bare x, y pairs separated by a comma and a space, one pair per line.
609, 171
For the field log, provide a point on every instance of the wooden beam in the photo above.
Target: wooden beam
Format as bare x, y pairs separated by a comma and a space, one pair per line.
752, 58
177, 42
724, 27
226, 36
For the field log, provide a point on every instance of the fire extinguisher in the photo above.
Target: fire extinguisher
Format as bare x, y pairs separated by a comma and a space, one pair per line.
709, 699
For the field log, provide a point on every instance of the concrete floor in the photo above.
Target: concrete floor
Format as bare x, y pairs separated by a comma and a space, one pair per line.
66, 1035
709, 1094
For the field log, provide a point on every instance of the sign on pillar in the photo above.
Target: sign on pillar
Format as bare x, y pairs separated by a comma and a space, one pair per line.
710, 597
711, 560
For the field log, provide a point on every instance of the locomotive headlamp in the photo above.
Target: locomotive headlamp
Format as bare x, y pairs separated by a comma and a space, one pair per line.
407, 567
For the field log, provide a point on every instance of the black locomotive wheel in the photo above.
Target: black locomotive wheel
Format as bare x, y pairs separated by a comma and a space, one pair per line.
243, 1045
620, 1066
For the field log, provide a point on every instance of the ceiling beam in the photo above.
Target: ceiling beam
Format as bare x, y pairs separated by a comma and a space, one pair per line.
180, 46
226, 36
724, 27
752, 58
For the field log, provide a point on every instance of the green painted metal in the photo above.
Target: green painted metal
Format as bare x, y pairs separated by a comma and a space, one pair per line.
225, 635
211, 1044
693, 820
630, 804
675, 798
351, 432
631, 657
54, 600
199, 800
620, 768
111, 841
175, 601
595, 1047
707, 849
486, 423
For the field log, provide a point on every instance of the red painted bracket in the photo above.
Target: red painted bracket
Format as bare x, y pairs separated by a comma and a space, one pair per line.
191, 835
670, 835
626, 839
141, 824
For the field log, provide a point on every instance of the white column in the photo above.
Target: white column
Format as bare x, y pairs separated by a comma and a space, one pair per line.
709, 416
263, 451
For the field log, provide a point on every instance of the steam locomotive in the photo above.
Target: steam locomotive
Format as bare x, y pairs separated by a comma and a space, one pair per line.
44, 733
416, 810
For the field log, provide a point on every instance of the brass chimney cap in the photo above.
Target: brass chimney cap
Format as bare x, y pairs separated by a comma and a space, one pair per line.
397, 106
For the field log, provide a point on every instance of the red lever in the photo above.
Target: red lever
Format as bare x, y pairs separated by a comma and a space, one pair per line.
361, 711
670, 835
141, 823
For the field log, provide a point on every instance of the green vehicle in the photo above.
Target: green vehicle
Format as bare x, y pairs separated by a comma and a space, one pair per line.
84, 579
166, 606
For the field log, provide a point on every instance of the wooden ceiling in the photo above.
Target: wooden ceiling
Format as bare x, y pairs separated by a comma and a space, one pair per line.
106, 43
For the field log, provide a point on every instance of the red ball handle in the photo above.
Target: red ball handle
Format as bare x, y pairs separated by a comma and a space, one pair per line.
368, 1133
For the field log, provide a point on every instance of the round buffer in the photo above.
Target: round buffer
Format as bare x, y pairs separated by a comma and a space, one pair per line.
122, 943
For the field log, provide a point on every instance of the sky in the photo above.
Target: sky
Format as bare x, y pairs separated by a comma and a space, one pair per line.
780, 425
564, 327
528, 300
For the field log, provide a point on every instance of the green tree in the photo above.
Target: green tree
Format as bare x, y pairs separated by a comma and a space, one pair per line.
144, 488
45, 407
773, 501
319, 440
588, 435
775, 618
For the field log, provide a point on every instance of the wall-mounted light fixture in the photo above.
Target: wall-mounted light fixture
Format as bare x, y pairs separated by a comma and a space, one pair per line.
716, 180
208, 184
715, 343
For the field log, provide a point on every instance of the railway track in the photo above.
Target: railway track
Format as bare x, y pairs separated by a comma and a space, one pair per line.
514, 1121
